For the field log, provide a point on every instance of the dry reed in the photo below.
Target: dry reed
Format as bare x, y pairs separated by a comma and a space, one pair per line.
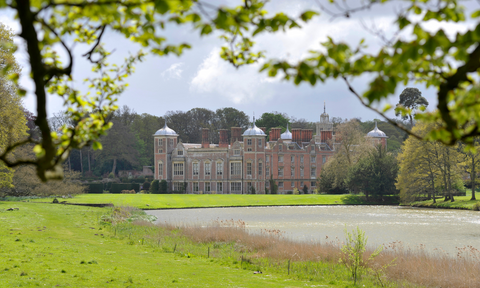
398, 264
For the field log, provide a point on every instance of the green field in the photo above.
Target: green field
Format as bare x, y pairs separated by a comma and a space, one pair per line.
461, 202
162, 201
61, 245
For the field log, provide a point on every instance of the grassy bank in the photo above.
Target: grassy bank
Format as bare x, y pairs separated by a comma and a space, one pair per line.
461, 202
58, 246
162, 201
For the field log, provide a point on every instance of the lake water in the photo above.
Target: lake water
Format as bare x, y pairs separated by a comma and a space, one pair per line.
434, 228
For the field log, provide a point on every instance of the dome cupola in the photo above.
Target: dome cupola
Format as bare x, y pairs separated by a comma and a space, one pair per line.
287, 135
377, 132
165, 131
254, 130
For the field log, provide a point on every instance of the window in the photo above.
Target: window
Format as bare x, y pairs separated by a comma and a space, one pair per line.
236, 152
219, 186
324, 159
235, 168
268, 158
267, 171
249, 149
195, 186
293, 184
249, 141
260, 168
219, 168
249, 169
177, 186
249, 187
178, 169
280, 171
301, 159
267, 184
160, 169
160, 150
207, 186
280, 147
312, 158
236, 186
208, 169
313, 172
170, 142
292, 172
301, 184
280, 158
280, 184
259, 142
301, 172
195, 169
160, 142
292, 159
313, 184
180, 152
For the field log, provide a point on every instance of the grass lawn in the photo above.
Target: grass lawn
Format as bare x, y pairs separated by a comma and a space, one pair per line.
162, 201
61, 245
461, 202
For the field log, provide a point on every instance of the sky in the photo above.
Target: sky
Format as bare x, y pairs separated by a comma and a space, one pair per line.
201, 79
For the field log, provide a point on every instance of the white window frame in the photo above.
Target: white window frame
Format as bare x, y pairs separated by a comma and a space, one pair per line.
178, 169
249, 141
260, 168
235, 186
207, 187
249, 168
313, 171
280, 171
235, 168
195, 168
208, 169
160, 169
219, 186
195, 187
301, 172
280, 158
219, 168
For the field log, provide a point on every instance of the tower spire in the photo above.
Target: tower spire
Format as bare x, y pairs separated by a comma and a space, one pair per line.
324, 107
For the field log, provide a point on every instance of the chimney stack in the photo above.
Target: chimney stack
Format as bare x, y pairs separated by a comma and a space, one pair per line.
223, 138
236, 134
297, 136
307, 135
205, 142
276, 133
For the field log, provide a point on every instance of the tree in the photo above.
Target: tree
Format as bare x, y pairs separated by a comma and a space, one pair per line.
272, 120
139, 21
470, 163
374, 174
13, 126
412, 99
427, 167
450, 64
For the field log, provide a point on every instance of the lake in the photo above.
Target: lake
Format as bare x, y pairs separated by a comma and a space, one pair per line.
433, 228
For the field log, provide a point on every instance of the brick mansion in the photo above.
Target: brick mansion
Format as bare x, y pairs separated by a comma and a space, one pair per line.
247, 160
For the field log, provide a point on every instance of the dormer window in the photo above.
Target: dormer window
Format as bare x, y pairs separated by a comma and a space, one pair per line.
236, 152
180, 152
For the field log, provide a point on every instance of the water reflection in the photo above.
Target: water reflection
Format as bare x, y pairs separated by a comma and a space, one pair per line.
434, 228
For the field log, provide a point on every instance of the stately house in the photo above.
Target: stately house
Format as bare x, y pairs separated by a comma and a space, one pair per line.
247, 161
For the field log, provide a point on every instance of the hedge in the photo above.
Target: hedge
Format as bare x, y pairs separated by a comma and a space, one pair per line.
118, 187
94, 188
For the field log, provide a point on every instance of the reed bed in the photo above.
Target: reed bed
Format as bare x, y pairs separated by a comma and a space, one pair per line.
394, 266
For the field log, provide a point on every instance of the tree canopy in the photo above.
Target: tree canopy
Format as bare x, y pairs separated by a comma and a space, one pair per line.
432, 58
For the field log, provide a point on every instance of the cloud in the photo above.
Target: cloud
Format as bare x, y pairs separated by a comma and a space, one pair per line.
174, 71
239, 86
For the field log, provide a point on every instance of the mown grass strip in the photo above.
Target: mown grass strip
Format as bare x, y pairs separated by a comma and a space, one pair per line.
170, 201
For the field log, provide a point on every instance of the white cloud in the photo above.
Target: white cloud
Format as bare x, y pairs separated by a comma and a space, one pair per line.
240, 86
174, 71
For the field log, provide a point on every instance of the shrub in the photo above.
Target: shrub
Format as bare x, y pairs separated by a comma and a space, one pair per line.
163, 187
154, 187
124, 180
94, 188
111, 175
128, 191
290, 192
119, 187
305, 189
295, 191
476, 206
146, 185
252, 190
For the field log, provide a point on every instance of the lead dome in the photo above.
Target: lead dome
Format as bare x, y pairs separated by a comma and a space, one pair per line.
287, 135
165, 131
376, 132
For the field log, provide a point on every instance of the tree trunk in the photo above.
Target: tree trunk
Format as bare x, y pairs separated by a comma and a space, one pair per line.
69, 164
88, 157
114, 166
81, 161
473, 178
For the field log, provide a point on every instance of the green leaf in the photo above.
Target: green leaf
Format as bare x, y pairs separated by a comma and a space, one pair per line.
162, 6
307, 15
